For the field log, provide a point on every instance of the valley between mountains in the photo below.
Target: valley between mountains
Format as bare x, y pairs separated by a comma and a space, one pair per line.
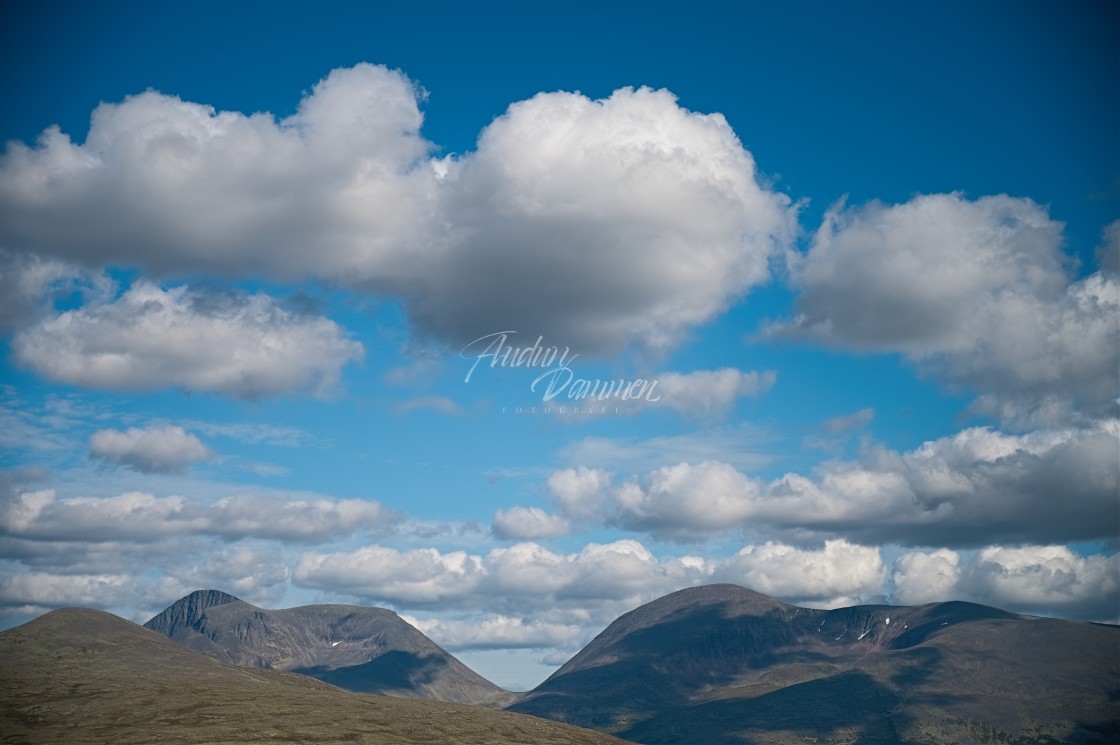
706, 665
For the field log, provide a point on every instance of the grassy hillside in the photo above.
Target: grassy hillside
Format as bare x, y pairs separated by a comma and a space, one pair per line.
78, 676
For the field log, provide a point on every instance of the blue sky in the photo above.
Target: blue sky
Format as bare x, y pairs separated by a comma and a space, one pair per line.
868, 254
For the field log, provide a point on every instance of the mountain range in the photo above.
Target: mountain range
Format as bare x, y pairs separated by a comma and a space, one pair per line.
723, 664
703, 666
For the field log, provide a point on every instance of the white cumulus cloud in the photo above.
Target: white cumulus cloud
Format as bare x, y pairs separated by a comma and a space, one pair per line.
1036, 579
579, 492
165, 449
922, 577
171, 185
247, 346
838, 574
975, 291
527, 523
418, 576
1047, 578
686, 501
646, 219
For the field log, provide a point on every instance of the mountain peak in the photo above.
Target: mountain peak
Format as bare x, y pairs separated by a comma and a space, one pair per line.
186, 611
371, 650
743, 598
731, 600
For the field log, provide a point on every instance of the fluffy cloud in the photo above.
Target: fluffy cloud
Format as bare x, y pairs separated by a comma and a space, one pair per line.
647, 219
579, 492
1030, 579
526, 523
837, 575
913, 276
686, 501
926, 577
152, 450
171, 185
976, 292
1052, 578
150, 338
606, 199
968, 489
416, 577
302, 520
136, 516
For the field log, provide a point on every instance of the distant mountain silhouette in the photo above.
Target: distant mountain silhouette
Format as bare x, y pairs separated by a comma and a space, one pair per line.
370, 650
722, 664
80, 677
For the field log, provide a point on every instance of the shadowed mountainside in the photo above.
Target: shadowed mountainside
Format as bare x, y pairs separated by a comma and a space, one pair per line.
722, 664
369, 650
81, 676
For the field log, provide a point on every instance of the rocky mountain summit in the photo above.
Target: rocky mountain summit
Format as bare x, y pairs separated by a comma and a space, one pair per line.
370, 650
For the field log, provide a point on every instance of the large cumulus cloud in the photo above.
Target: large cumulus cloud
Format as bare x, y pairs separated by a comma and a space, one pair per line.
601, 222
172, 185
598, 223
246, 346
1030, 578
976, 292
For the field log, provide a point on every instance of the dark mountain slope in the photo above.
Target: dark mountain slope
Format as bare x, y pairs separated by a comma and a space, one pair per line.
371, 650
80, 676
722, 664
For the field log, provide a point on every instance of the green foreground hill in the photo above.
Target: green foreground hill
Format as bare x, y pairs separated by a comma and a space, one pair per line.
79, 676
